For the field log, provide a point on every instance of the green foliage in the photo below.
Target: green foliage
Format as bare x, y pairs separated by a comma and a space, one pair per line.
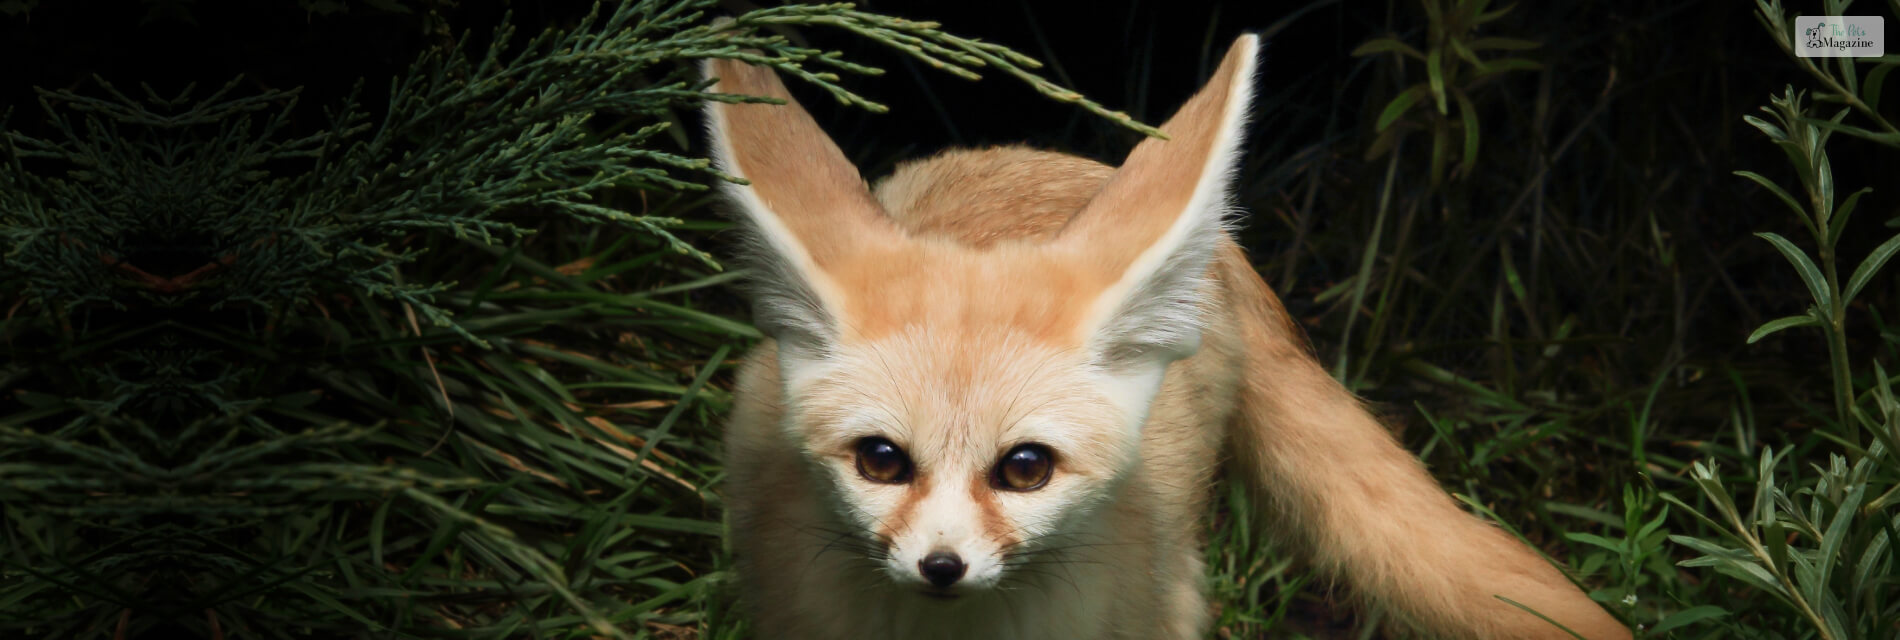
1454, 68
1819, 544
1570, 319
440, 365
1840, 79
1258, 581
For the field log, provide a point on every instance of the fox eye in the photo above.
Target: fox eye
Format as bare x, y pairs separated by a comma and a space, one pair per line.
1025, 468
881, 461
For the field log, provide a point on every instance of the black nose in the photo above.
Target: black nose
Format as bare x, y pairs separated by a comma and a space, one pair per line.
941, 568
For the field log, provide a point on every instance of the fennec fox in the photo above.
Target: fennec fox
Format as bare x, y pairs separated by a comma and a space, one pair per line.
998, 387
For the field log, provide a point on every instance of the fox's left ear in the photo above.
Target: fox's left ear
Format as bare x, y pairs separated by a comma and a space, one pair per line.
1153, 228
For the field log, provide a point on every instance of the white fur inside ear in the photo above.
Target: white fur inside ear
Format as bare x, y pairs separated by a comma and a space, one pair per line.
1154, 313
1131, 386
799, 371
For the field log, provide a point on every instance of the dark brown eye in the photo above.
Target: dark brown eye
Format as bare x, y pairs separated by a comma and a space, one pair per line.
881, 461
1025, 468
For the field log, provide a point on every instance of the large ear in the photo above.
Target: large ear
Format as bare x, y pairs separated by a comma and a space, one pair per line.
805, 210
1153, 228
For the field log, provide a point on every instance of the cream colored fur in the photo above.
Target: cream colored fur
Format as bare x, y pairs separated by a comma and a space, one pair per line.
983, 299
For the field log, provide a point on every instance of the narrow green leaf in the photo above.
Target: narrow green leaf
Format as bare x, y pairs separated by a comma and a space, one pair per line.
1458, 47
376, 527
1585, 513
1775, 537
1540, 616
318, 594
1774, 132
1797, 156
1470, 116
1717, 527
1649, 528
1838, 222
662, 523
1889, 139
1399, 104
1871, 266
1687, 617
1779, 193
1782, 323
1487, 17
1873, 558
1817, 285
1763, 511
1511, 278
1870, 88
1733, 563
1385, 45
1468, 10
1847, 75
1594, 540
1837, 533
1434, 71
679, 409
1823, 187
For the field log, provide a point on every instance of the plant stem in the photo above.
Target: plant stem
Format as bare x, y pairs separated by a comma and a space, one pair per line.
1837, 331
1761, 554
1847, 96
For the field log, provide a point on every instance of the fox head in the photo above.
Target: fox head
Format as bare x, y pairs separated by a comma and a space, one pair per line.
962, 404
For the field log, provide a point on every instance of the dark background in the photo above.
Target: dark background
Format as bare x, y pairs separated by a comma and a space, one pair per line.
1686, 71
1140, 57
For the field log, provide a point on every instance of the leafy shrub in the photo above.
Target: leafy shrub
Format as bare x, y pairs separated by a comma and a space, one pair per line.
404, 373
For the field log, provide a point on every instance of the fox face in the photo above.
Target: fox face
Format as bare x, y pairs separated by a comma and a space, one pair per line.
965, 404
970, 458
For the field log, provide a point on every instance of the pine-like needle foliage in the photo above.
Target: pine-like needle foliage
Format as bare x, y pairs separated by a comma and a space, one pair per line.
275, 379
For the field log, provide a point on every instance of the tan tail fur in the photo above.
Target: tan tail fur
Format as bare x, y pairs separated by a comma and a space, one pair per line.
998, 386
1366, 509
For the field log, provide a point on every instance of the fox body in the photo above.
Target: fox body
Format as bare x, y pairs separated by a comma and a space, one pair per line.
998, 387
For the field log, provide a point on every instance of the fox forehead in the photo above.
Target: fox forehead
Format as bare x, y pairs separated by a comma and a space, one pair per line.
956, 290
956, 399
974, 220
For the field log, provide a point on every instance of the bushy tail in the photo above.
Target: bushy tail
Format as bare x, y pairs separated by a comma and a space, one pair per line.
1366, 509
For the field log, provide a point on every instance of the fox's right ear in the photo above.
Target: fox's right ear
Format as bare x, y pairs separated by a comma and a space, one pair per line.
806, 209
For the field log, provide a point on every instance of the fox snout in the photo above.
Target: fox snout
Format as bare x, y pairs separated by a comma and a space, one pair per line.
942, 568
948, 545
